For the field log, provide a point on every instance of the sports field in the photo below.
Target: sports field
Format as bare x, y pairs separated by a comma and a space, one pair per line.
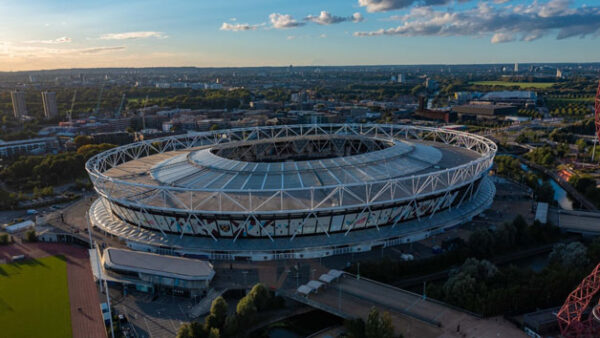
539, 85
34, 298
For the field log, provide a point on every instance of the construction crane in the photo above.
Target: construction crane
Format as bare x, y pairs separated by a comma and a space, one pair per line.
97, 109
596, 120
70, 112
144, 113
118, 113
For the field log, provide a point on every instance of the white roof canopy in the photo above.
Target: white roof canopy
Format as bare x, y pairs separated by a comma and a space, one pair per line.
304, 289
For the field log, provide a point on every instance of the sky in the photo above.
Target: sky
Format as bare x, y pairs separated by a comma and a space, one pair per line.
50, 34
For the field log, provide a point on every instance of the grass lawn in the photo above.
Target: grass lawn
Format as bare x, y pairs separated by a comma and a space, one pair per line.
511, 84
34, 299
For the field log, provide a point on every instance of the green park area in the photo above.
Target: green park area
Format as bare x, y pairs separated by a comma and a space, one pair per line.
34, 298
539, 85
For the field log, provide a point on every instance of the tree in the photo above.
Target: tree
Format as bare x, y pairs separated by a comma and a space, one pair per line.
246, 310
481, 243
260, 295
387, 328
30, 236
82, 140
581, 144
378, 326
573, 254
231, 327
355, 328
191, 330
4, 239
218, 313
214, 333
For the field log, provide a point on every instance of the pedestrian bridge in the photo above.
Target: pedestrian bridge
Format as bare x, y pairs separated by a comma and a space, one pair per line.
577, 221
412, 314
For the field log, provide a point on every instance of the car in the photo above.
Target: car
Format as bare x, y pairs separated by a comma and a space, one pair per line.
407, 257
32, 212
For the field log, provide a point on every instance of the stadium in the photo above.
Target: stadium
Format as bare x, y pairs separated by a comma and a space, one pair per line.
290, 192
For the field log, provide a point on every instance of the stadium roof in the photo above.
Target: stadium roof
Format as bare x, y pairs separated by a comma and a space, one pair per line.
203, 169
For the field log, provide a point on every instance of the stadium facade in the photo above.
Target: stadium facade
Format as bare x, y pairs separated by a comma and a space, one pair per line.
299, 191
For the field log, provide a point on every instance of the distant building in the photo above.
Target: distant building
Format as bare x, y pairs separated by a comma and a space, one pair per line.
430, 84
431, 114
400, 78
516, 67
484, 110
18, 102
559, 74
116, 137
463, 97
50, 107
36, 146
516, 97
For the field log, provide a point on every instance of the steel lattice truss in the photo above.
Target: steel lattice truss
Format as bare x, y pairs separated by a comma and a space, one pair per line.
270, 201
571, 315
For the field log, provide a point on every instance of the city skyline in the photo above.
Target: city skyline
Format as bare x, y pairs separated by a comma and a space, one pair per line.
59, 34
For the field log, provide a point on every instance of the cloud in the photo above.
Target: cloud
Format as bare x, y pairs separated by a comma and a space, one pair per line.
526, 22
95, 50
357, 17
280, 21
502, 37
133, 35
388, 5
238, 27
62, 39
325, 18
35, 52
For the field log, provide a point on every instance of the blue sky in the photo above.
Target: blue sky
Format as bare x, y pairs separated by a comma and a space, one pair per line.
46, 34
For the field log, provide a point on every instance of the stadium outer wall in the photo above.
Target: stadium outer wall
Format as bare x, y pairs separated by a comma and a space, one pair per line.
381, 213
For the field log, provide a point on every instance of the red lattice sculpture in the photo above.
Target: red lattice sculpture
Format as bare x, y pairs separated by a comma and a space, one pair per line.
574, 319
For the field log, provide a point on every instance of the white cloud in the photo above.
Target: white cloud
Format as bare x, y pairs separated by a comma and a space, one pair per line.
502, 37
95, 50
388, 5
523, 22
35, 52
62, 39
280, 21
357, 17
133, 35
238, 27
326, 18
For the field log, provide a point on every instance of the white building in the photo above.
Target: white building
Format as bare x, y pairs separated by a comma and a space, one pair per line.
149, 272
